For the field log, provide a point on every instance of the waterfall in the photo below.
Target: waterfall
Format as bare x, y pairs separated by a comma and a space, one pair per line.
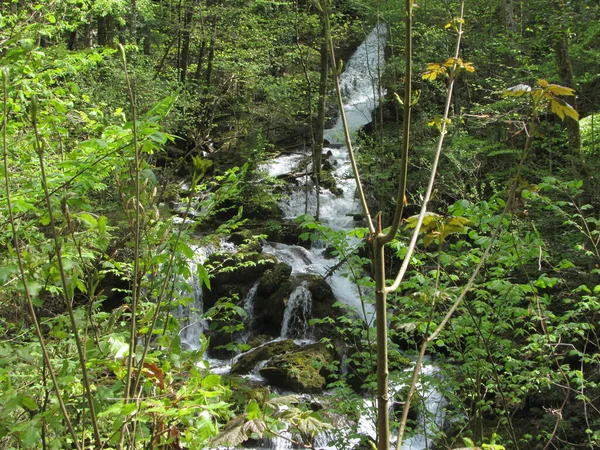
190, 316
249, 308
359, 83
297, 313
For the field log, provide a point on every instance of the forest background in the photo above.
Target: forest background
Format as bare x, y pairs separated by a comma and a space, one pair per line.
134, 132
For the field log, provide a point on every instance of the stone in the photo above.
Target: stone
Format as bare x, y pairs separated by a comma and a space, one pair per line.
248, 361
303, 371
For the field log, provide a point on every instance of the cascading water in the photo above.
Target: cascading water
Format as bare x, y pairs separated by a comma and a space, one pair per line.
191, 316
361, 91
297, 313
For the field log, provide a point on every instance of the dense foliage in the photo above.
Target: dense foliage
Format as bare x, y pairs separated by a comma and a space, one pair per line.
134, 133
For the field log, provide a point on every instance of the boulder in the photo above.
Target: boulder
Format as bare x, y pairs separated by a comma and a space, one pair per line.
234, 274
248, 361
272, 295
273, 278
304, 370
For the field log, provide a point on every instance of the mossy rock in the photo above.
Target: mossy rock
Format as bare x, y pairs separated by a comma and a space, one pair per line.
248, 361
288, 232
272, 295
273, 278
234, 274
239, 267
328, 182
303, 371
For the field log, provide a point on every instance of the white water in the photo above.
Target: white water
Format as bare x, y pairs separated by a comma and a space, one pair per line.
360, 89
190, 317
297, 314
359, 84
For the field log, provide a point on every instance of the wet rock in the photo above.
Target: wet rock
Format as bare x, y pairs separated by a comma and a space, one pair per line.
248, 361
304, 370
328, 182
273, 278
323, 297
234, 273
272, 295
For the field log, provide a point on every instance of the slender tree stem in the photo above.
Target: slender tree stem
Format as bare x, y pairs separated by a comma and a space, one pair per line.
68, 299
136, 233
438, 151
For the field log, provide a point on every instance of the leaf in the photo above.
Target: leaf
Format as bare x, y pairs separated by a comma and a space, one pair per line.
232, 434
203, 276
561, 90
433, 70
29, 402
149, 175
517, 91
469, 67
283, 400
255, 426
158, 137
562, 109
311, 425
87, 219
155, 373
211, 381
543, 83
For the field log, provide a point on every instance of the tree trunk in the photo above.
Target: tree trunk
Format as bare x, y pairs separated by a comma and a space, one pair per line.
383, 398
185, 46
565, 72
211, 55
72, 40
198, 73
102, 30
508, 10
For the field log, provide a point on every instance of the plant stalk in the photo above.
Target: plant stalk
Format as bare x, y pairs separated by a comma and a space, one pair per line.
39, 148
17, 245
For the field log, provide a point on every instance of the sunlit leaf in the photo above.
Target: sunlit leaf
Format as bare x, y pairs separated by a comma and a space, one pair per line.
517, 91
561, 90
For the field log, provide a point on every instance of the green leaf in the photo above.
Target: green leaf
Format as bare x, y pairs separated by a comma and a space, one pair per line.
252, 410
29, 402
203, 276
158, 137
88, 220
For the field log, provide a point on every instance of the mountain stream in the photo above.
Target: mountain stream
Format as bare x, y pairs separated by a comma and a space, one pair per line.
360, 90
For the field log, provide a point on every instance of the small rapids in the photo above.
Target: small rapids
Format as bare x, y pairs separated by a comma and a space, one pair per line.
338, 212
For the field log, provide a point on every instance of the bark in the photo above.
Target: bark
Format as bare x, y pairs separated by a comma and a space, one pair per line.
508, 12
211, 55
72, 40
102, 30
185, 46
565, 72
201, 52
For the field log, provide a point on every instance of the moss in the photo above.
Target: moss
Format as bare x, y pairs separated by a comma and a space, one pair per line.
234, 274
328, 182
243, 390
273, 278
248, 361
303, 371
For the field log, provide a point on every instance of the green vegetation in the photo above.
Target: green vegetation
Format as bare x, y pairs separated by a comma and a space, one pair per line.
135, 132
